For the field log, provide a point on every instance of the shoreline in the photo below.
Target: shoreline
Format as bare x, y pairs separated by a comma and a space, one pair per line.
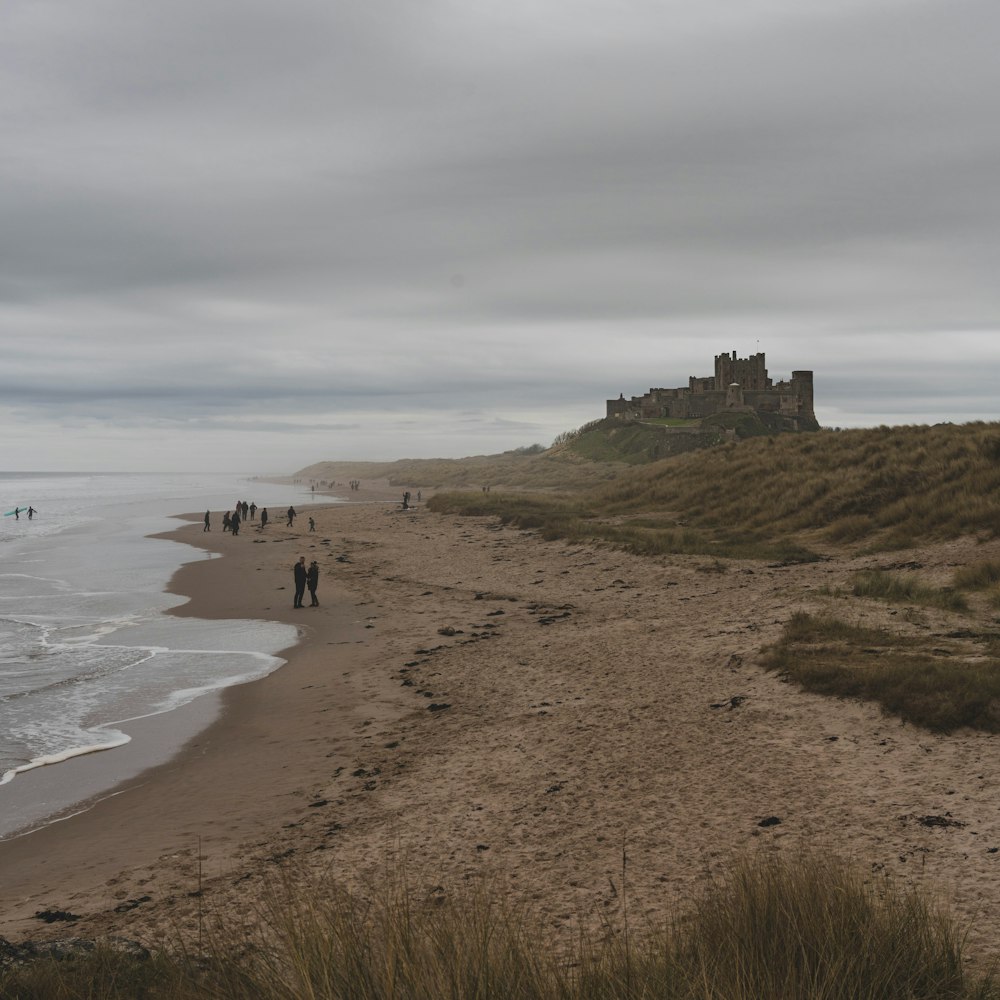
125, 785
84, 777
491, 708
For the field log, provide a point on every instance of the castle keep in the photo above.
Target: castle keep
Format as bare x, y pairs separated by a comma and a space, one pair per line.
739, 384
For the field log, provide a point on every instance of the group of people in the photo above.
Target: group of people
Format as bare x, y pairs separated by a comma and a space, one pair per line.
18, 511
305, 578
232, 520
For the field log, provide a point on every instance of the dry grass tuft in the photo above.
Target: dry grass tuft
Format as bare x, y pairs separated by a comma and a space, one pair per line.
806, 928
905, 588
954, 685
978, 576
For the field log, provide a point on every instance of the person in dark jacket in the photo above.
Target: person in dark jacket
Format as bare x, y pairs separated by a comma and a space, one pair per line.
312, 579
300, 581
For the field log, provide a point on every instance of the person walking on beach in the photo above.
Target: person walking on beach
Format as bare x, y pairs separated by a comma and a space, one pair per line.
234, 523
253, 511
225, 521
291, 516
263, 518
312, 579
208, 521
312, 524
246, 509
300, 581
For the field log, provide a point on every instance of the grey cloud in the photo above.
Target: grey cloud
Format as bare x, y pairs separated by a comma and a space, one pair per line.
388, 208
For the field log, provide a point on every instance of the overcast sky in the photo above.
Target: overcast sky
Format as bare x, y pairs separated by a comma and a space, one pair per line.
248, 236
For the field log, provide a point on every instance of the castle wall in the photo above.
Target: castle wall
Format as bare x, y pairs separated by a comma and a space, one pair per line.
618, 407
701, 384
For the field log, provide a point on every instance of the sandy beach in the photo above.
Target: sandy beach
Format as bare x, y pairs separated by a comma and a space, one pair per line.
471, 702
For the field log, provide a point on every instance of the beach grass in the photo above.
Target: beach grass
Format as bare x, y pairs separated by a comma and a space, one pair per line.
954, 684
810, 927
785, 497
905, 588
983, 575
572, 519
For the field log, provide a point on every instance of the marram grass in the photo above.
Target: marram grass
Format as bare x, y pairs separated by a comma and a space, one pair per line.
782, 498
905, 588
955, 685
810, 928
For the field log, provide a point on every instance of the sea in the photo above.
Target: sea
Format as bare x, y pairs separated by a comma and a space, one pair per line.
85, 645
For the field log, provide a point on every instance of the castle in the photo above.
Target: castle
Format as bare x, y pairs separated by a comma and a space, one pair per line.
739, 385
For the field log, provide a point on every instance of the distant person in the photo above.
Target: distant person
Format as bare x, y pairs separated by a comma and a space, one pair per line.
300, 574
312, 579
208, 521
17, 513
234, 523
263, 518
253, 511
31, 512
226, 519
312, 524
246, 509
291, 516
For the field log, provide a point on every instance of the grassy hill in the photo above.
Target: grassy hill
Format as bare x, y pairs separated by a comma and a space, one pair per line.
783, 497
555, 469
598, 452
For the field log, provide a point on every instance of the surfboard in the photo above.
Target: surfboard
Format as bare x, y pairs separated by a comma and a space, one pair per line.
18, 510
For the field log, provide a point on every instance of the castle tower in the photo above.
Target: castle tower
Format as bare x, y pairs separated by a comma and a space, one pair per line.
749, 372
802, 383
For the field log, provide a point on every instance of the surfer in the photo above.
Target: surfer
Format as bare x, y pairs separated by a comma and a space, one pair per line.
31, 512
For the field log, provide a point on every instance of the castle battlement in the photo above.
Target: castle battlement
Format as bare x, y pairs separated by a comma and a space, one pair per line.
739, 384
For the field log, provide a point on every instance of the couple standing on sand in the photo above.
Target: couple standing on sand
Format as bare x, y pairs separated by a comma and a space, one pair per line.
304, 577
